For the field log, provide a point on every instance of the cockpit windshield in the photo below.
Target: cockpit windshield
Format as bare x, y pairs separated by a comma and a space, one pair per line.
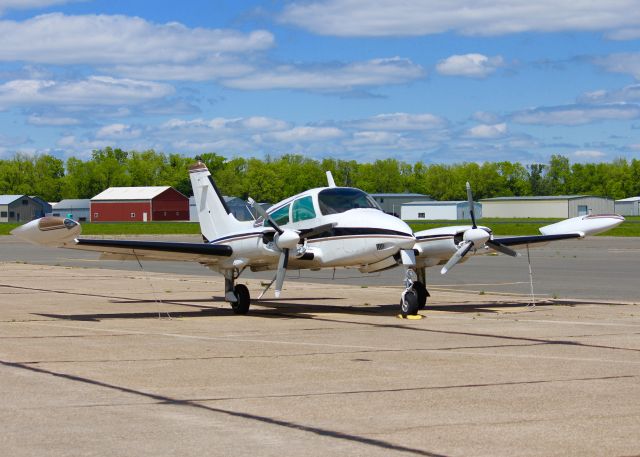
341, 199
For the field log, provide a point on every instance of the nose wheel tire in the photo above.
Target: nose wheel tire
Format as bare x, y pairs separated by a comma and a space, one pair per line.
244, 299
409, 303
422, 293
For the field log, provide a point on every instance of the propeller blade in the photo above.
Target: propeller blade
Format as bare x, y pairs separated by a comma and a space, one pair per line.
455, 258
497, 246
472, 211
282, 269
260, 210
309, 233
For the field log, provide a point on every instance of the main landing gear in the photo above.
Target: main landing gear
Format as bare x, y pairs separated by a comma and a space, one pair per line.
414, 297
236, 294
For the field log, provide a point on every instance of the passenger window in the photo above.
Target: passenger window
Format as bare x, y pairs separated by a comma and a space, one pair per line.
303, 209
280, 216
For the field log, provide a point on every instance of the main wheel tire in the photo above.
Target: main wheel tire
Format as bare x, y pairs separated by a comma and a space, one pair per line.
409, 303
244, 299
421, 290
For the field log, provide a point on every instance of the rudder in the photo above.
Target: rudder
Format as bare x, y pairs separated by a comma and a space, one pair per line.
215, 217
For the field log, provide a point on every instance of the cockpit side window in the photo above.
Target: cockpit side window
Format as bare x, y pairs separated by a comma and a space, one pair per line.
302, 209
341, 199
280, 216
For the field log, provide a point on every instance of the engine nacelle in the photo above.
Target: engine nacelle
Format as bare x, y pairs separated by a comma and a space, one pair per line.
49, 231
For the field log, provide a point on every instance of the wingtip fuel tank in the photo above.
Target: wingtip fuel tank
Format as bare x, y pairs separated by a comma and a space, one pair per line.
49, 231
584, 225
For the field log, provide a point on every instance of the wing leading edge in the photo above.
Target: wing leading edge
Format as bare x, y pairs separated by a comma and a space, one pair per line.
156, 250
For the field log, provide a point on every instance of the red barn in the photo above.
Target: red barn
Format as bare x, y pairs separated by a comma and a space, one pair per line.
157, 203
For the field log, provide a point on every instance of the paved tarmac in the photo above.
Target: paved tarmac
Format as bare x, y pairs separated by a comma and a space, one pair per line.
596, 268
112, 362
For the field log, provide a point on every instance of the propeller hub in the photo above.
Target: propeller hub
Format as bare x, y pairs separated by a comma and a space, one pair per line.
288, 239
477, 236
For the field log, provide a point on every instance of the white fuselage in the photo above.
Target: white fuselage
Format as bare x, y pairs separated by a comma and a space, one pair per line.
359, 238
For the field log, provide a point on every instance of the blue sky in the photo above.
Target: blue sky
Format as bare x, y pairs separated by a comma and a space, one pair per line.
417, 80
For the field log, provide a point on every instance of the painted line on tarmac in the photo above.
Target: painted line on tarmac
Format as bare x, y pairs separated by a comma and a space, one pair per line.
440, 352
541, 321
479, 284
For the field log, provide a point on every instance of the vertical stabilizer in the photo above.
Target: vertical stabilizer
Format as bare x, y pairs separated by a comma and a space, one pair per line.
216, 219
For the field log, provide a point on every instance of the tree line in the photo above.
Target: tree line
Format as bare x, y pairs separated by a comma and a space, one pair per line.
275, 178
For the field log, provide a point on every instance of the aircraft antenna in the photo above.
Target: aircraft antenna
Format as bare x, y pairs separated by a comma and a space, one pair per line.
153, 289
533, 297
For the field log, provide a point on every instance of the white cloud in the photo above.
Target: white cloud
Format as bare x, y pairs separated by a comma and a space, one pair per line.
7, 141
425, 17
627, 94
304, 134
229, 125
624, 34
402, 121
589, 154
30, 4
368, 138
101, 90
71, 145
469, 65
213, 67
54, 121
118, 132
577, 114
486, 117
337, 77
229, 145
627, 63
488, 131
101, 39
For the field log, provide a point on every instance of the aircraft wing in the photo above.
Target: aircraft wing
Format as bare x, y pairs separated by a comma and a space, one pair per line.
576, 227
516, 241
450, 245
62, 232
153, 250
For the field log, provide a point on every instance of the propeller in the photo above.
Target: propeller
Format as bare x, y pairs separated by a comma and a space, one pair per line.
475, 238
286, 240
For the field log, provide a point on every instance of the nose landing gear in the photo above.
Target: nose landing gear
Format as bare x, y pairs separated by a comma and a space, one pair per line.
414, 297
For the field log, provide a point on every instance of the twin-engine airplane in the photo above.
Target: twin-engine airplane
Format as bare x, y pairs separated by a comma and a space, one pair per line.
325, 227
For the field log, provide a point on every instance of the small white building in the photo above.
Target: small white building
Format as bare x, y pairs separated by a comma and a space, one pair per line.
434, 210
79, 208
628, 206
555, 206
391, 203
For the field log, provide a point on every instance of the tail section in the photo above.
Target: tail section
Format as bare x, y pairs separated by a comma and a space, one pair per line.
216, 219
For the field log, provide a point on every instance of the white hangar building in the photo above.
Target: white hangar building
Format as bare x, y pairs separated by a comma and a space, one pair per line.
80, 209
628, 206
434, 210
556, 206
392, 203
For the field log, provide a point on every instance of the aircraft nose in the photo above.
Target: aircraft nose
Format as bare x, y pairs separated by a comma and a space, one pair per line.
406, 238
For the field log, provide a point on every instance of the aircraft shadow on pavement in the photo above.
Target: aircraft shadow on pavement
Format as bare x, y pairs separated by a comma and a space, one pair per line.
276, 308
